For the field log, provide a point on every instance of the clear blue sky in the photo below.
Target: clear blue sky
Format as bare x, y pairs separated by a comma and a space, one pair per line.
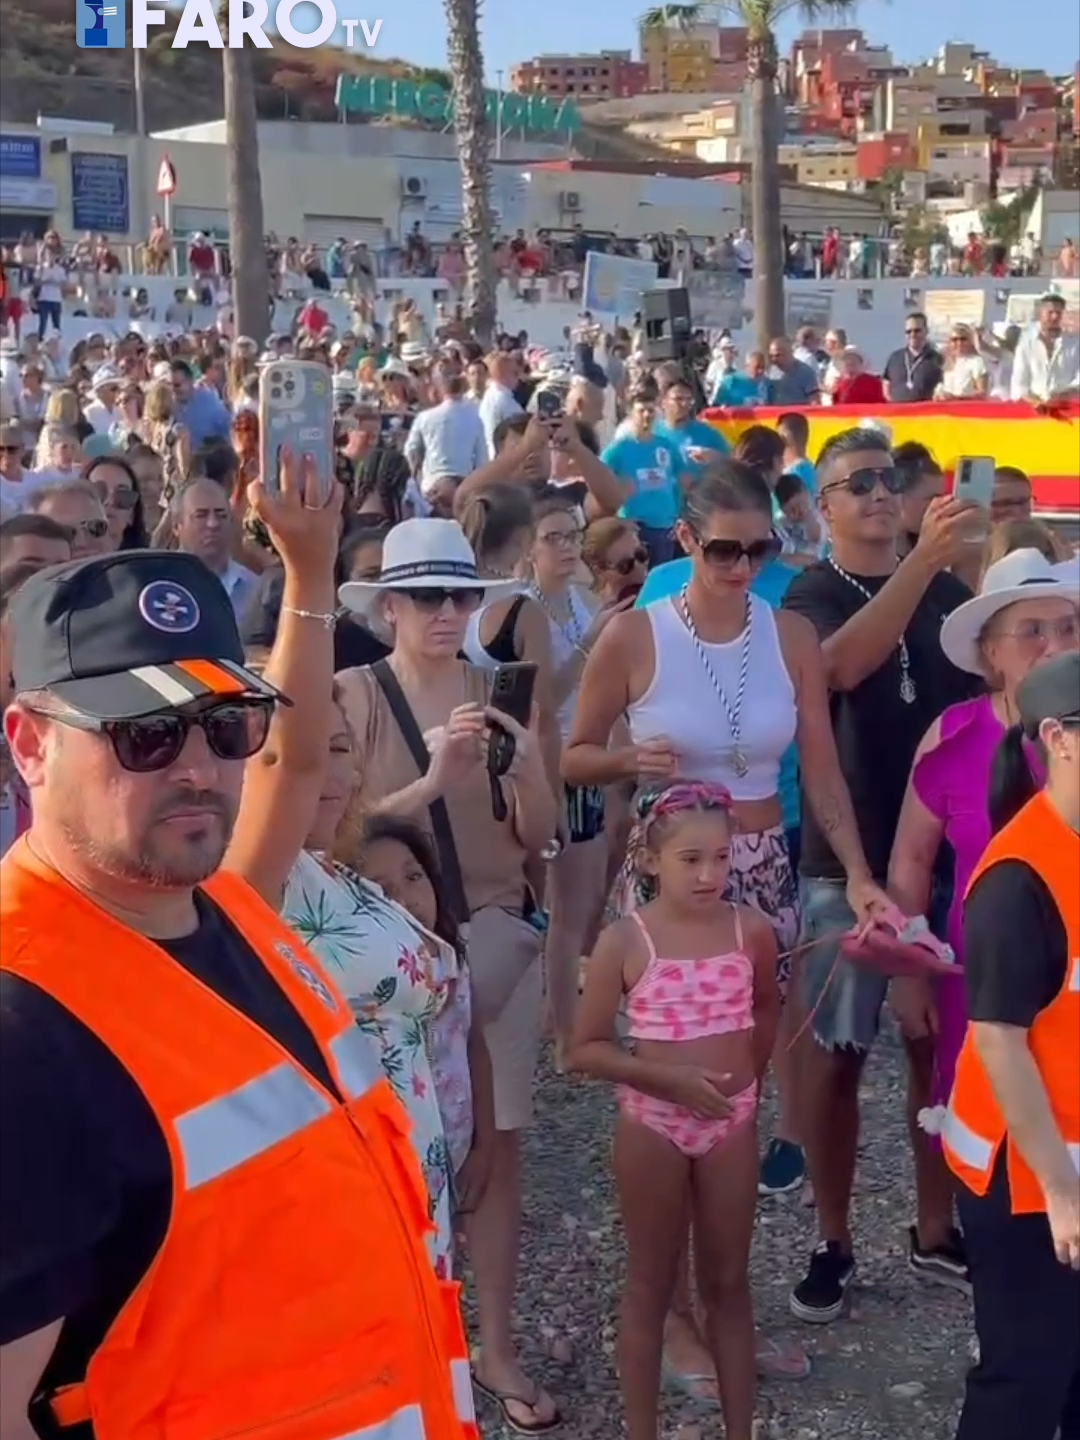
1040, 34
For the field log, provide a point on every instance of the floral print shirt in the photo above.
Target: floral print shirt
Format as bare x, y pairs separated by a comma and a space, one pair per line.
403, 985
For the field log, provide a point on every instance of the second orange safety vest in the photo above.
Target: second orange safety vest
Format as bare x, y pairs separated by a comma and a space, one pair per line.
974, 1129
292, 1297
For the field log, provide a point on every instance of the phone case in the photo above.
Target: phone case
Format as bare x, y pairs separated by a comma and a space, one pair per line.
296, 409
512, 690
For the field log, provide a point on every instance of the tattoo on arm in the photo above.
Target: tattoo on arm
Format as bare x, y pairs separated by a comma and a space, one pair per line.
828, 811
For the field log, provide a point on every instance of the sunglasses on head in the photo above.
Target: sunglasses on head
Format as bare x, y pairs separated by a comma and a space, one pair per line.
234, 730
726, 554
431, 598
865, 481
623, 567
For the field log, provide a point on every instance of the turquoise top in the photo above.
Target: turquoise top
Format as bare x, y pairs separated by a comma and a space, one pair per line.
694, 434
738, 390
652, 466
769, 584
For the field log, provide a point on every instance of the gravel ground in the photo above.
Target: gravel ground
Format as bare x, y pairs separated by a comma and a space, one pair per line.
892, 1370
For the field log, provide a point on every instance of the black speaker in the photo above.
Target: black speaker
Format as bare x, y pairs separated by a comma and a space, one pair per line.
665, 317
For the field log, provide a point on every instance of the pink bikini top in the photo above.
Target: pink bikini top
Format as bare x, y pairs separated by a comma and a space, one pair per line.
691, 999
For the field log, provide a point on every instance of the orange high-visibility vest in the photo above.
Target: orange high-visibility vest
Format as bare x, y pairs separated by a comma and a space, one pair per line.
292, 1297
974, 1128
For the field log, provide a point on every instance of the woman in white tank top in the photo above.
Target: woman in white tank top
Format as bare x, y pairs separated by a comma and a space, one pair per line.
715, 686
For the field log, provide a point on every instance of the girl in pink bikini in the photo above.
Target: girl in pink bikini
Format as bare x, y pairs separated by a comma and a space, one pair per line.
696, 977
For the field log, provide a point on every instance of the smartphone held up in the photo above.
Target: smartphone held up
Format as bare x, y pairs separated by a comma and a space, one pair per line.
296, 413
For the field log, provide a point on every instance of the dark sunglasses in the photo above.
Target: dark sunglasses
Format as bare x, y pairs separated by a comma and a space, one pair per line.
234, 731
94, 528
433, 599
726, 554
123, 498
865, 481
11, 449
624, 566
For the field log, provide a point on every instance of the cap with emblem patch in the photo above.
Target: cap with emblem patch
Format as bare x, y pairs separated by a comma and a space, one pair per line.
125, 635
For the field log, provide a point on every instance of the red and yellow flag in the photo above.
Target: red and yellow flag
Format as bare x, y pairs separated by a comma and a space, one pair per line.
1045, 446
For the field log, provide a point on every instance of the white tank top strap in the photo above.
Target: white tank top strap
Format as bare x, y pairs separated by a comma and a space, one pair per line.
739, 942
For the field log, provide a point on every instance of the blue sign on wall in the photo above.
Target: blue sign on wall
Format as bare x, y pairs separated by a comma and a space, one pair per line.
100, 193
20, 156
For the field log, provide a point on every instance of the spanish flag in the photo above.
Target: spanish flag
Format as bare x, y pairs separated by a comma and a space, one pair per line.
1045, 446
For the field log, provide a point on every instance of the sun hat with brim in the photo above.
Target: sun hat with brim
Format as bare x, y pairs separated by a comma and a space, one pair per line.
104, 376
123, 636
424, 555
1023, 575
1050, 691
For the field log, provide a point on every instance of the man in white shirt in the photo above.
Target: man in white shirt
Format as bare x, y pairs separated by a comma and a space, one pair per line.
498, 402
103, 412
449, 438
16, 483
1047, 362
743, 250
203, 525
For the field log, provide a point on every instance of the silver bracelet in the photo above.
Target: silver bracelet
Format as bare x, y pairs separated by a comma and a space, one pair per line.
329, 621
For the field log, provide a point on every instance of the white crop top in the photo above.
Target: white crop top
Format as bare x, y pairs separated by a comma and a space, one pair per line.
682, 704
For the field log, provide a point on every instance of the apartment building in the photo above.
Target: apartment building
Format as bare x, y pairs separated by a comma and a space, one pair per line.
691, 59
608, 75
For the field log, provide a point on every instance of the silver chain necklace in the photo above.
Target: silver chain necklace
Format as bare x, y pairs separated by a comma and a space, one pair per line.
908, 693
739, 762
572, 632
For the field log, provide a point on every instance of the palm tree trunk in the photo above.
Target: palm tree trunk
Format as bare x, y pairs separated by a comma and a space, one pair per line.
474, 149
765, 191
250, 279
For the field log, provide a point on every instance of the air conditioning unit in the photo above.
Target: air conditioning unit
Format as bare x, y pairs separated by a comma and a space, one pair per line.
570, 200
413, 187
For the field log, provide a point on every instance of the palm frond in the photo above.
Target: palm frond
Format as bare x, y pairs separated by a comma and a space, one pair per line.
674, 17
761, 15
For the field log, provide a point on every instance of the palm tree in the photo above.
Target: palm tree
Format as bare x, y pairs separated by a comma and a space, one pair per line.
761, 19
250, 278
466, 64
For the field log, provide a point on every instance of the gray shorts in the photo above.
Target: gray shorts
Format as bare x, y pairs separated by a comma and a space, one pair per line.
846, 1008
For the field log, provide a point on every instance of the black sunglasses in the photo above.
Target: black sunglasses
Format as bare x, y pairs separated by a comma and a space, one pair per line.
122, 498
235, 730
865, 481
432, 598
639, 557
726, 554
11, 449
94, 528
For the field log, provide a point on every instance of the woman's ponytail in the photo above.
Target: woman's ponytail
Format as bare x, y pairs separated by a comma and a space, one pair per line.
1012, 784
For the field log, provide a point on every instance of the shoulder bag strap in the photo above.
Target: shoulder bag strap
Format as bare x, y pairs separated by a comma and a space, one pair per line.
440, 816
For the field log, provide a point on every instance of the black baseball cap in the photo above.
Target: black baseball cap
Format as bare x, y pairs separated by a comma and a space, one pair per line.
120, 636
1050, 691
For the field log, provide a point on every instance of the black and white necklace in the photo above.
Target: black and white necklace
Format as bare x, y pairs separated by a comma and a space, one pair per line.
739, 763
908, 693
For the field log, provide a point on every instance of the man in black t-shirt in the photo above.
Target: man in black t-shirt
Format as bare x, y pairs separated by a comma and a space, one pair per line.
912, 374
879, 621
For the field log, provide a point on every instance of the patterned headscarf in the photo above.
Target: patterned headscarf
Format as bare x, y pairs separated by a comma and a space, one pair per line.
652, 805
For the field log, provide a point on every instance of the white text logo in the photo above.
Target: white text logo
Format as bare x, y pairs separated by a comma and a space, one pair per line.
247, 18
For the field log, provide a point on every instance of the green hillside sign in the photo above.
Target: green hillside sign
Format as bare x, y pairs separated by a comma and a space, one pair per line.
376, 95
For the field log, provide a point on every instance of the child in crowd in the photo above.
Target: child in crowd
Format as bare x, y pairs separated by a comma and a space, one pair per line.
398, 857
801, 528
698, 977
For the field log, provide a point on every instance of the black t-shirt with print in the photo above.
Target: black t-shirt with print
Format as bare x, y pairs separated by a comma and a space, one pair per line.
877, 733
85, 1175
1016, 948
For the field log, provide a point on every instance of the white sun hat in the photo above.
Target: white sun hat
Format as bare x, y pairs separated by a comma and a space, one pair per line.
424, 555
1023, 575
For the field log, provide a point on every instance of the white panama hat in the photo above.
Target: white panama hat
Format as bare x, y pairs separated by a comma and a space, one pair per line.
424, 555
1023, 575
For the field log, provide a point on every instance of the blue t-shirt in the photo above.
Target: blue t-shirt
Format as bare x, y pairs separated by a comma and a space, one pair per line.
771, 585
804, 469
652, 466
694, 434
739, 390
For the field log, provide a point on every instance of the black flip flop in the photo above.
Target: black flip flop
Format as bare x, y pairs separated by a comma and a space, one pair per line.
502, 1397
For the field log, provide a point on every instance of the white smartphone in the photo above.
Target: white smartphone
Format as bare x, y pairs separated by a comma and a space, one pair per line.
296, 409
975, 479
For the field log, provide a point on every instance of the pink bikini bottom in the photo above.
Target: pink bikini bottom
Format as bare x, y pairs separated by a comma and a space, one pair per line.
691, 1134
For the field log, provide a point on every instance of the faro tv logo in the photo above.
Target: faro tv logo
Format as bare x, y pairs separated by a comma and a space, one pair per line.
102, 24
